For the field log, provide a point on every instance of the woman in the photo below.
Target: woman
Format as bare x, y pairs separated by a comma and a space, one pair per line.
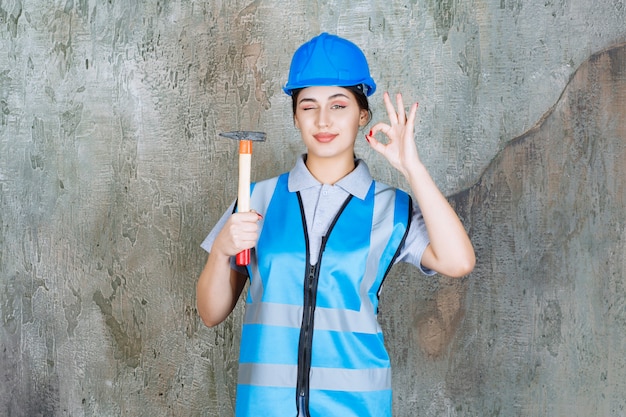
323, 238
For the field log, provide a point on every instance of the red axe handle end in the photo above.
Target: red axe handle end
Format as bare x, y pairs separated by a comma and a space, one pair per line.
243, 257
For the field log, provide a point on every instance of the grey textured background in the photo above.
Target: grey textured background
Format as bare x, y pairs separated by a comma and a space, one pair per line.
111, 174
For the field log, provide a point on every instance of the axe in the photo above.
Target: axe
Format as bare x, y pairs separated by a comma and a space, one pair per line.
245, 139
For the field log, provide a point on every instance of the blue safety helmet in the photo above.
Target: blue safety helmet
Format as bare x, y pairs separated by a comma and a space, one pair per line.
328, 60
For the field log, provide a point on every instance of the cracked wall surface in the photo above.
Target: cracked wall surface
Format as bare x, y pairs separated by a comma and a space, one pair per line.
112, 173
538, 328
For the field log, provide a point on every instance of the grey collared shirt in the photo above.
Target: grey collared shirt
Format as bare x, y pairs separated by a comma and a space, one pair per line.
322, 202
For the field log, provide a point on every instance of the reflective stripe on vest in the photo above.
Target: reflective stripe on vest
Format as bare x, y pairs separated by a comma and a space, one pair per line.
349, 360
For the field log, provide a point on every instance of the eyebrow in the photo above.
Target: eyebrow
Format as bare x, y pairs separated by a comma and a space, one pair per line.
334, 96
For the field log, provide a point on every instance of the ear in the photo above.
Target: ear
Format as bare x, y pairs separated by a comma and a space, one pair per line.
295, 122
364, 118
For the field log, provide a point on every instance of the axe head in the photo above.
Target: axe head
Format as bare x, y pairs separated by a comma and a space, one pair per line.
245, 135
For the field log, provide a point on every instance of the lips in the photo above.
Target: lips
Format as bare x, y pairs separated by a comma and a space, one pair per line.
324, 137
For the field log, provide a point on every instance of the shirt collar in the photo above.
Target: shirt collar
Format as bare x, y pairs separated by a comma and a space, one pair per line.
356, 182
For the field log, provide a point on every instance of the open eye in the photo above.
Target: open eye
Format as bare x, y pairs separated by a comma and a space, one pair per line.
338, 104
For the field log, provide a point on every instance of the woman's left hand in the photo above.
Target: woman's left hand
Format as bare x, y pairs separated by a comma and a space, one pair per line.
450, 251
400, 149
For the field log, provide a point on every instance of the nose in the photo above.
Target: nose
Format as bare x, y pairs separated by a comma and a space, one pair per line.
323, 118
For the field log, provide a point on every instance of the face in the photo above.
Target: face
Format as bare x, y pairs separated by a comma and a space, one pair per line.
329, 119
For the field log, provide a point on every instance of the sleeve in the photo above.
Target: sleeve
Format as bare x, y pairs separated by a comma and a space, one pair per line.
207, 243
416, 242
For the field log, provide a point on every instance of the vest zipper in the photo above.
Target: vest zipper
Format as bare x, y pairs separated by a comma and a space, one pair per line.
306, 339
305, 343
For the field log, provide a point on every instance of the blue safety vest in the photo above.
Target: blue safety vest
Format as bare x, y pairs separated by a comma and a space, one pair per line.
311, 344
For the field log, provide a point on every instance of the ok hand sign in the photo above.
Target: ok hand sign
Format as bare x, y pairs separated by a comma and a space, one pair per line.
400, 149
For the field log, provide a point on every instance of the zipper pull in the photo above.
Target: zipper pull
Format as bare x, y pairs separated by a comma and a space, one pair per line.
302, 411
311, 271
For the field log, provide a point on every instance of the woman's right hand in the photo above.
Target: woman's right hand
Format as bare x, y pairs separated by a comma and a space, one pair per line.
240, 232
219, 286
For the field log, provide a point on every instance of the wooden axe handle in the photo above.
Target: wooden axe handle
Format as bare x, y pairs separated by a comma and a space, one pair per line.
243, 192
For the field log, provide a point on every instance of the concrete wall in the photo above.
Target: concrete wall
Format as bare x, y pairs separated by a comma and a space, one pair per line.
111, 174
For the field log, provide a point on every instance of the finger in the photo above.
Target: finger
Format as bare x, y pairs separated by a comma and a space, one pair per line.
412, 113
380, 127
242, 244
245, 241
401, 111
250, 216
238, 229
391, 111
245, 234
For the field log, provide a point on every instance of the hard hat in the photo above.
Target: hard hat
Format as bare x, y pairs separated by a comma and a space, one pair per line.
328, 60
